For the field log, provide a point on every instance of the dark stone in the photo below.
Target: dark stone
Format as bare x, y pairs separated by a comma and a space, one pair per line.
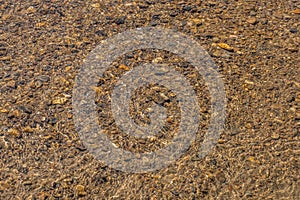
26, 109
187, 8
101, 33
120, 20
43, 78
293, 30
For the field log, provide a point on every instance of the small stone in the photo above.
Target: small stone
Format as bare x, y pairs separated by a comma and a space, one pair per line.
96, 5
124, 67
220, 176
249, 82
27, 183
80, 190
225, 46
4, 58
14, 132
157, 60
4, 186
220, 141
11, 84
59, 100
173, 14
27, 109
64, 81
275, 136
40, 24
293, 30
252, 159
14, 114
252, 20
101, 33
43, 78
31, 84
170, 119
31, 9
120, 20
165, 97
68, 68
3, 110
252, 13
28, 129
297, 11
38, 84
215, 39
248, 126
197, 21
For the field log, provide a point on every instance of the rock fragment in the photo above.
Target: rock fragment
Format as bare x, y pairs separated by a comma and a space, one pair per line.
225, 46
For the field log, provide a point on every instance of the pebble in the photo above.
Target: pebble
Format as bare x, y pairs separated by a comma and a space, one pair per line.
27, 109
166, 98
252, 20
38, 84
120, 20
4, 58
11, 84
68, 68
220, 176
15, 113
80, 190
43, 78
197, 21
40, 24
249, 82
221, 141
157, 60
252, 159
59, 100
225, 46
275, 136
4, 186
14, 132
124, 67
297, 11
293, 30
27, 183
28, 129
4, 110
215, 39
96, 5
31, 9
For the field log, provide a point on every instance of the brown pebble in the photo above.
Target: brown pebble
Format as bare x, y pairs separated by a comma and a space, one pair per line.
252, 20
5, 58
225, 46
297, 11
11, 83
4, 110
124, 67
28, 129
80, 190
4, 186
96, 5
275, 136
59, 100
27, 183
14, 132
